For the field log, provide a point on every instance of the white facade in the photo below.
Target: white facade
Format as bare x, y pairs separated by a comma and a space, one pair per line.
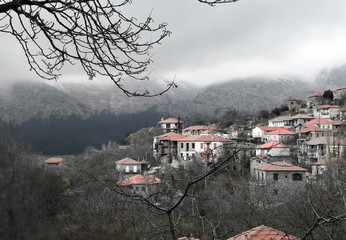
332, 112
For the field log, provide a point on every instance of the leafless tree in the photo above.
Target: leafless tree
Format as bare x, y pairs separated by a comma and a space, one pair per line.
215, 2
93, 33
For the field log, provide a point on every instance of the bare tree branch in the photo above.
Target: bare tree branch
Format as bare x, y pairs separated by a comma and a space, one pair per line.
93, 33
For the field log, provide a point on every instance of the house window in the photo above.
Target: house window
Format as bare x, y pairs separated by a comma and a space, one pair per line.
275, 192
275, 176
181, 155
135, 168
234, 168
182, 145
143, 189
297, 177
201, 145
215, 145
127, 169
317, 134
193, 146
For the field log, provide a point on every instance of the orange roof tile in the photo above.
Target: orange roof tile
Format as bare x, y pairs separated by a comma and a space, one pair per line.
328, 106
324, 121
273, 144
170, 120
280, 132
205, 138
317, 94
127, 161
263, 233
281, 166
313, 129
54, 160
340, 88
140, 180
171, 136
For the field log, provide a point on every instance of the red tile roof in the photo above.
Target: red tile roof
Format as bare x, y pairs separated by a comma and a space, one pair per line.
205, 138
170, 120
191, 128
273, 144
322, 162
263, 233
311, 128
210, 131
140, 180
54, 160
328, 106
188, 238
302, 116
324, 121
171, 136
280, 132
317, 94
341, 88
127, 161
281, 166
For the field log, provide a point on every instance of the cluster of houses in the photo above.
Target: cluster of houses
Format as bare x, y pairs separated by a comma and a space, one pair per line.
311, 135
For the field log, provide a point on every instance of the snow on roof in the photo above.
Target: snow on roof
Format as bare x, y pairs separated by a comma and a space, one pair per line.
140, 180
302, 116
273, 144
263, 233
170, 120
265, 128
191, 128
281, 166
54, 160
282, 118
280, 132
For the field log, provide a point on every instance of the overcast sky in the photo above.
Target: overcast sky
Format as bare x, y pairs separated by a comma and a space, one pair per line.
270, 38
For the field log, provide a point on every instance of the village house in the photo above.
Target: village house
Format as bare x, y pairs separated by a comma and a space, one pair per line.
196, 130
263, 233
130, 166
313, 132
281, 179
297, 121
54, 161
171, 125
340, 93
327, 111
259, 132
280, 135
316, 99
166, 145
143, 185
283, 121
325, 123
314, 150
273, 148
333, 165
257, 161
206, 146
295, 104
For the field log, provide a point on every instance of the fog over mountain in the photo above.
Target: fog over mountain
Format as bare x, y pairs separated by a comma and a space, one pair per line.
24, 100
